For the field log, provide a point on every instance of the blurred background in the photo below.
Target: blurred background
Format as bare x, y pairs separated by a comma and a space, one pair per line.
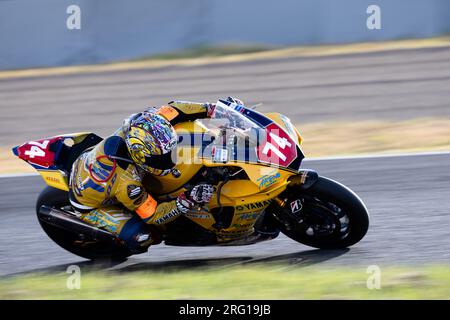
34, 33
324, 63
357, 77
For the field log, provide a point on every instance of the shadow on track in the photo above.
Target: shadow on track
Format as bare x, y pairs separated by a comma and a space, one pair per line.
296, 259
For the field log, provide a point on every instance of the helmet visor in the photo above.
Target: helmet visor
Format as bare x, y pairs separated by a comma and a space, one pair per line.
162, 162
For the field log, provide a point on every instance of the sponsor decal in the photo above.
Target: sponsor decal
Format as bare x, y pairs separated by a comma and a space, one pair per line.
168, 112
139, 200
134, 191
253, 206
81, 181
108, 191
248, 216
268, 179
235, 234
52, 179
296, 206
103, 220
142, 237
93, 185
168, 216
198, 215
304, 177
219, 155
99, 171
287, 124
242, 226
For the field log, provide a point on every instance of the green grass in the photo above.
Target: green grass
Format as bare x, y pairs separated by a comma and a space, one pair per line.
256, 282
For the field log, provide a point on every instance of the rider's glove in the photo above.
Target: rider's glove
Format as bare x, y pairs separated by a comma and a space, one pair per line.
200, 194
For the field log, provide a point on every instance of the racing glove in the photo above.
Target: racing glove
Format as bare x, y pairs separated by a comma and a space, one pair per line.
199, 195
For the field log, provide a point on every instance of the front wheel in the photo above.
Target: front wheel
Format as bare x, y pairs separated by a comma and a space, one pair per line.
327, 215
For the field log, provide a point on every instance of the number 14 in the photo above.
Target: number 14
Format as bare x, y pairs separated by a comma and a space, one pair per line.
281, 142
37, 149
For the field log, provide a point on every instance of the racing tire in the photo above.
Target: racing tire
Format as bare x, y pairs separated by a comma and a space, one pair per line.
325, 197
56, 198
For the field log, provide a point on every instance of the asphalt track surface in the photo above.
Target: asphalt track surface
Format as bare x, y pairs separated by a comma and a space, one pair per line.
408, 197
385, 85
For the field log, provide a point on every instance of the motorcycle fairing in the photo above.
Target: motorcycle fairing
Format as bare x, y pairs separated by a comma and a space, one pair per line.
277, 141
40, 154
52, 157
247, 199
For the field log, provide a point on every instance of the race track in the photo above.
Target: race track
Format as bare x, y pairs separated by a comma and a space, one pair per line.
385, 85
408, 199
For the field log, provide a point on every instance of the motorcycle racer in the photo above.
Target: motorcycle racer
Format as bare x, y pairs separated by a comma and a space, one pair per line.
246, 164
106, 180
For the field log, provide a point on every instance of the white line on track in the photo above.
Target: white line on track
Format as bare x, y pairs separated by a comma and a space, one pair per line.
17, 175
368, 156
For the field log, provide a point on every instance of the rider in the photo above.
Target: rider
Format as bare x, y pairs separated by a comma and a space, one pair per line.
106, 181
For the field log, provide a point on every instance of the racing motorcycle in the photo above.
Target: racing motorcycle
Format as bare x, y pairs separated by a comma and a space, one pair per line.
254, 161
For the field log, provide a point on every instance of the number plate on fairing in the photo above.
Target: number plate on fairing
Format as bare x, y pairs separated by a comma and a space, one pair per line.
278, 148
39, 153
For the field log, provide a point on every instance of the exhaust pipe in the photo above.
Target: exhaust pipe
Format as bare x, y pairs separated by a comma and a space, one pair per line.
60, 219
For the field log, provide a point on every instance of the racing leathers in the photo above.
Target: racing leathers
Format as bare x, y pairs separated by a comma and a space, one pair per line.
106, 186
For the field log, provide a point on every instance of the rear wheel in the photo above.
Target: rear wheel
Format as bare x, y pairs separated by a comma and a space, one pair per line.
70, 241
327, 215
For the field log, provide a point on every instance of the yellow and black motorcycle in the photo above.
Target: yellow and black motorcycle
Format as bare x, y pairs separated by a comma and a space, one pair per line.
254, 162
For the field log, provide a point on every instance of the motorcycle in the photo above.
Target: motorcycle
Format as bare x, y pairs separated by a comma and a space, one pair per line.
254, 161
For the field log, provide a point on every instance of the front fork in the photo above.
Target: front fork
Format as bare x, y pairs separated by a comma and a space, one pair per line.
304, 180
289, 204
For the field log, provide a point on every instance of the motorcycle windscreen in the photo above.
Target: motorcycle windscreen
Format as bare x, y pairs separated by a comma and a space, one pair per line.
243, 135
267, 146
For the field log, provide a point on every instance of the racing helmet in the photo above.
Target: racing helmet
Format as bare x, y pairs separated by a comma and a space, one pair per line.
151, 141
